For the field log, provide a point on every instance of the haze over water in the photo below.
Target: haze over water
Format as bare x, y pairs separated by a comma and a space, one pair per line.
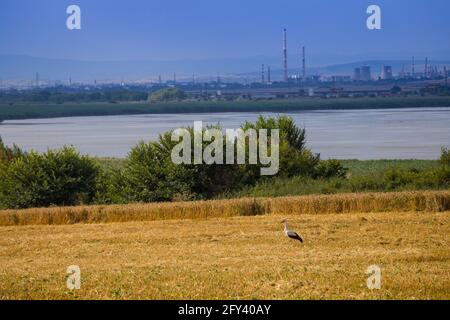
343, 134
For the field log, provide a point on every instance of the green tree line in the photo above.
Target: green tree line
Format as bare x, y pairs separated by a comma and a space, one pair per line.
60, 96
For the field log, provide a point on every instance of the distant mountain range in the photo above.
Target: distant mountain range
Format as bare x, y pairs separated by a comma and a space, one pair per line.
24, 68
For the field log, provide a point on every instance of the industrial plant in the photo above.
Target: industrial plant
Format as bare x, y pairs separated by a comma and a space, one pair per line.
290, 79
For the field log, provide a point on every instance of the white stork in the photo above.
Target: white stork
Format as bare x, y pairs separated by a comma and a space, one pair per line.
289, 233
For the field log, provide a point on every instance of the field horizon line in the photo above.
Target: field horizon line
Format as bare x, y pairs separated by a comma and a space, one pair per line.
406, 201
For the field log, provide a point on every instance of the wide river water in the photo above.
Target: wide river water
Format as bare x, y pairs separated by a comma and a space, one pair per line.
343, 134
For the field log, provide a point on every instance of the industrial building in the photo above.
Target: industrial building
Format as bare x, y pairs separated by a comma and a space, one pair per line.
365, 73
386, 73
357, 74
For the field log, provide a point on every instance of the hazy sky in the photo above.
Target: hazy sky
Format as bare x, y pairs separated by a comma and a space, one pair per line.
199, 29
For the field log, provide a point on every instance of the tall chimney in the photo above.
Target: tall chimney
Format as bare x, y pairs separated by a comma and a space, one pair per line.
445, 76
413, 67
304, 63
426, 67
285, 65
263, 80
268, 74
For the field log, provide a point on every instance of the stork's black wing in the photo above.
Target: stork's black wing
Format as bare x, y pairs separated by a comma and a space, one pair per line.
295, 236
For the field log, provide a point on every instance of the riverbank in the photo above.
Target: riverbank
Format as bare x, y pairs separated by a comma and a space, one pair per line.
37, 111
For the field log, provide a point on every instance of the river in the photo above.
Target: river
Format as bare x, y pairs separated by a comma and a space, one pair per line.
417, 133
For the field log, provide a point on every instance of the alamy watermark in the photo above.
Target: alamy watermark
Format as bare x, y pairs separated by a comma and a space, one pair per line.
73, 22
237, 141
374, 280
74, 279
374, 20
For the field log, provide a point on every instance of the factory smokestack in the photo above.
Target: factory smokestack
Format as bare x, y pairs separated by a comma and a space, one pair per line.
446, 76
268, 75
285, 64
413, 69
304, 63
263, 80
426, 67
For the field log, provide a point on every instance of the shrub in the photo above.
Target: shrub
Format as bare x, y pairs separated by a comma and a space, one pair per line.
414, 179
167, 95
445, 157
295, 158
297, 163
365, 183
443, 176
8, 154
289, 132
60, 177
149, 175
395, 178
396, 90
200, 181
109, 184
331, 168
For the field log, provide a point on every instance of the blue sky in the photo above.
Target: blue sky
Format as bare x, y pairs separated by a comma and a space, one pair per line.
211, 29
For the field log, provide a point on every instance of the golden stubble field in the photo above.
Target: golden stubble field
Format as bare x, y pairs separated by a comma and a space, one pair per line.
232, 258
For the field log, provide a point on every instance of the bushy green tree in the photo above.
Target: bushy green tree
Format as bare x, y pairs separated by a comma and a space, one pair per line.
167, 95
444, 172
445, 157
204, 181
149, 175
57, 177
295, 158
396, 90
331, 168
7, 154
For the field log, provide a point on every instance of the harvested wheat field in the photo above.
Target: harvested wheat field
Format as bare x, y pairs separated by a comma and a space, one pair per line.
232, 258
430, 201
